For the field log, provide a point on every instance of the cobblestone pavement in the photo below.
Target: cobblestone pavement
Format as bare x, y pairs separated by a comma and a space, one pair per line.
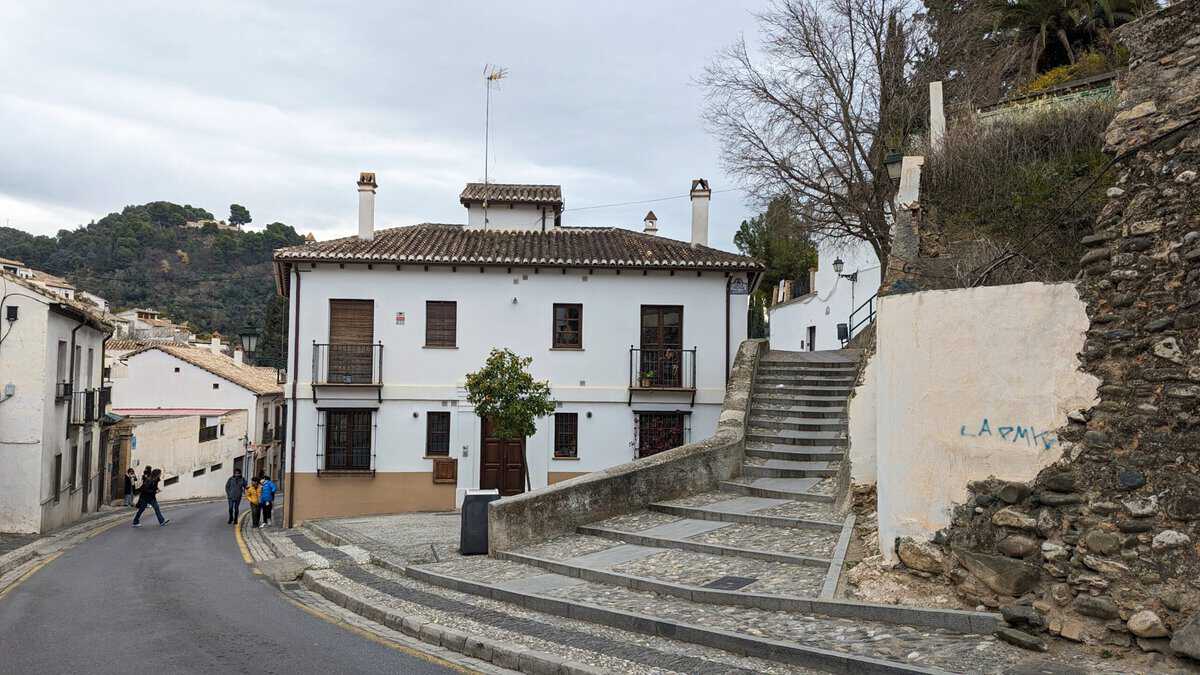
822, 511
570, 546
702, 499
699, 569
637, 521
827, 486
598, 646
412, 537
817, 543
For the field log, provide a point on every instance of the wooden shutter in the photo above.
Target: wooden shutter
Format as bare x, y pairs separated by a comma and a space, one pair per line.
351, 322
445, 470
441, 320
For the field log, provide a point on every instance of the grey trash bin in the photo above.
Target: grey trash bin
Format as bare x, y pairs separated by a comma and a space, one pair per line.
473, 538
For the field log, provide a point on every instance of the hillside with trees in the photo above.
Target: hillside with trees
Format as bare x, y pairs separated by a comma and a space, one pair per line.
145, 256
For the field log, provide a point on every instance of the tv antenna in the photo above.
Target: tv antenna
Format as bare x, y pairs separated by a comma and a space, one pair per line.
491, 74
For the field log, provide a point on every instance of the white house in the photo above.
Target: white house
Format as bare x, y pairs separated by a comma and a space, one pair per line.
808, 318
51, 405
197, 450
166, 379
634, 332
15, 268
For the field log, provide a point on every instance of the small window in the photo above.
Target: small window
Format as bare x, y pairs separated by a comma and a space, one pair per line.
441, 324
216, 385
568, 326
74, 470
215, 467
198, 472
222, 430
171, 481
208, 429
177, 369
57, 476
566, 435
437, 433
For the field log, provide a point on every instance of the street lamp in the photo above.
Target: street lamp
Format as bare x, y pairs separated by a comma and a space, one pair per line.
894, 162
249, 338
839, 265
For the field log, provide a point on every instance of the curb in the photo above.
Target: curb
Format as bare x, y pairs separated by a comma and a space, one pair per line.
699, 547
699, 513
773, 650
416, 626
829, 590
960, 621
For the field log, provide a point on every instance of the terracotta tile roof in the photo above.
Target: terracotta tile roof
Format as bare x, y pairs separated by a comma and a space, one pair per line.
86, 312
51, 280
123, 345
601, 247
509, 193
254, 378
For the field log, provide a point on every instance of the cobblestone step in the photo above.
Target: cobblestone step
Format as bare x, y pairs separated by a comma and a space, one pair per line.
794, 489
797, 423
785, 468
787, 437
802, 390
800, 379
752, 510
758, 398
797, 452
783, 408
739, 541
829, 635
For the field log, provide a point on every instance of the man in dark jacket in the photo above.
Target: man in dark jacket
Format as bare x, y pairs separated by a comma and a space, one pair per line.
148, 496
234, 487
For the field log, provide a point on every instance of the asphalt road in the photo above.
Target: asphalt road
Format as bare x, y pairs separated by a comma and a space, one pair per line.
174, 599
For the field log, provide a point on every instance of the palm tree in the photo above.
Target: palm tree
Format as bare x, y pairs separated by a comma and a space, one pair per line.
1100, 16
1034, 20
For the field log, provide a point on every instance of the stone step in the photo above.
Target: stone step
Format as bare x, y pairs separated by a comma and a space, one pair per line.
803, 638
803, 453
783, 408
769, 362
806, 390
745, 510
783, 468
717, 538
786, 437
793, 489
807, 401
803, 379
804, 423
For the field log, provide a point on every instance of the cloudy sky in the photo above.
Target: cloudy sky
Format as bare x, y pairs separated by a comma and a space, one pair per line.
278, 106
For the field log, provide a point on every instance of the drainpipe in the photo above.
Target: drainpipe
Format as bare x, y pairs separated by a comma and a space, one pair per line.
291, 496
728, 281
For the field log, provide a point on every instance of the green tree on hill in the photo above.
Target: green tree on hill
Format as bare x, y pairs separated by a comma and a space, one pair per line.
239, 215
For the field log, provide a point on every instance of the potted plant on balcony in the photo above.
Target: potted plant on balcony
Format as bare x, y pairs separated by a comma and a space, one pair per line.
647, 379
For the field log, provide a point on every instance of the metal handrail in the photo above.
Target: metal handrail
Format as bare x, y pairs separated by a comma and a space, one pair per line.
869, 305
347, 363
662, 368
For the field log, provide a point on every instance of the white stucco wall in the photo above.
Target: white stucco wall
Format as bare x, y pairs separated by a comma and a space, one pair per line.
173, 445
511, 217
594, 379
862, 417
972, 383
151, 382
832, 299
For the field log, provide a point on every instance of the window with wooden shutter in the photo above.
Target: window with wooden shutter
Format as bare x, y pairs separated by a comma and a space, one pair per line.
437, 433
566, 435
568, 326
351, 332
441, 323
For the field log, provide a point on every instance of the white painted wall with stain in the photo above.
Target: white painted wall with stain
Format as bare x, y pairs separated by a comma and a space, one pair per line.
971, 383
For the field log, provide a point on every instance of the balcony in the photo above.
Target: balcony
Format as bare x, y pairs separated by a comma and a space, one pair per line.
85, 407
62, 392
347, 365
658, 369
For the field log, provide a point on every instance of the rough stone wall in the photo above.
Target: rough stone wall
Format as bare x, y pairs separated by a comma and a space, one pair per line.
1104, 546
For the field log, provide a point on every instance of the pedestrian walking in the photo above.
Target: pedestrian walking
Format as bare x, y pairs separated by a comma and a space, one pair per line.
267, 498
147, 496
254, 495
130, 482
234, 487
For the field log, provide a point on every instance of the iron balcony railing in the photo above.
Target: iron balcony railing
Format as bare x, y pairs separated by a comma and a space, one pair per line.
657, 368
85, 406
348, 364
62, 391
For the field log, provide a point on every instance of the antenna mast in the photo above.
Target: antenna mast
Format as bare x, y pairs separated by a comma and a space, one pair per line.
491, 74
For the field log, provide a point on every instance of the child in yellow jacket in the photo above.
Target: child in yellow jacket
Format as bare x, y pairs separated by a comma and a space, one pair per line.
253, 493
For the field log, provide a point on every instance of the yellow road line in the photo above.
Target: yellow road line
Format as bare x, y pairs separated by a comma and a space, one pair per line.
340, 623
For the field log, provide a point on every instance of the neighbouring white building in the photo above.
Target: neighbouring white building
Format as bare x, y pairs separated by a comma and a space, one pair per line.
16, 268
163, 379
51, 405
149, 325
197, 449
839, 292
634, 332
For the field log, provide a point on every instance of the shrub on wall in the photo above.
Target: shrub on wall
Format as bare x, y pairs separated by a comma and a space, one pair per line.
1030, 183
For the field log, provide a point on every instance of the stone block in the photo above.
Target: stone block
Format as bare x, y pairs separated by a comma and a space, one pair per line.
1096, 606
507, 656
412, 625
1009, 517
1169, 539
1147, 624
539, 663
1002, 575
431, 633
454, 640
1021, 639
478, 648
921, 555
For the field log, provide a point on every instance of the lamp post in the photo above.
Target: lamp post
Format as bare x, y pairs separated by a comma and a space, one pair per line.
839, 265
894, 162
249, 338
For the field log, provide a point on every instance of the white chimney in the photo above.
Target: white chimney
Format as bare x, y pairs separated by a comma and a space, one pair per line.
366, 205
238, 355
651, 223
214, 345
700, 197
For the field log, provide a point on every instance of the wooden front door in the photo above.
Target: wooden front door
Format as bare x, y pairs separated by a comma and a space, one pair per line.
662, 340
501, 463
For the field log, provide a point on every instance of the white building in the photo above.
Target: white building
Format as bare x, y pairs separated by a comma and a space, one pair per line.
808, 319
197, 450
51, 405
634, 332
169, 379
16, 268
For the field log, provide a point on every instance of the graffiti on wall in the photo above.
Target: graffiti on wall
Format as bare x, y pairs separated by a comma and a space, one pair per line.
1012, 434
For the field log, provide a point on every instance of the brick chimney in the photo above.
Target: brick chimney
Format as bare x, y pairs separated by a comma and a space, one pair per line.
366, 205
700, 198
651, 223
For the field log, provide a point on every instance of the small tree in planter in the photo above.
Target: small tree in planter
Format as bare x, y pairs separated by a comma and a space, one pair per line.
504, 392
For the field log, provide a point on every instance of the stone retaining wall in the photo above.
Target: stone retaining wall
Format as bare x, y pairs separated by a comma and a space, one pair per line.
696, 467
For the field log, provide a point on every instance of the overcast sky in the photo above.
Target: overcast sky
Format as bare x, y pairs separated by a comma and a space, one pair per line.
279, 106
